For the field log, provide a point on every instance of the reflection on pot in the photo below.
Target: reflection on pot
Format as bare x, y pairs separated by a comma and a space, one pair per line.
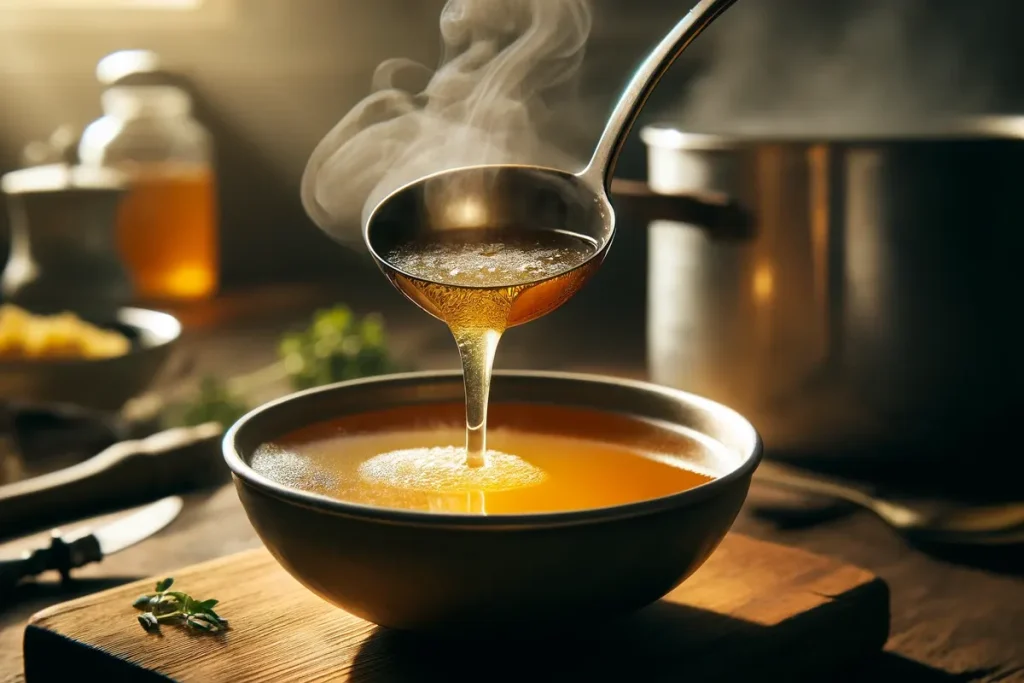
866, 308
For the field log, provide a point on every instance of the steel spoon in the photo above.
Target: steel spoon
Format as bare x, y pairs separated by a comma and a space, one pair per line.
941, 522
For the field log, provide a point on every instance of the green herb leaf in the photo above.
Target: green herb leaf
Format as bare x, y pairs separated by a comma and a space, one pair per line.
203, 622
164, 604
148, 621
162, 586
211, 613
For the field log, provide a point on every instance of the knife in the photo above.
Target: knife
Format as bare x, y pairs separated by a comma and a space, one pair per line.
82, 547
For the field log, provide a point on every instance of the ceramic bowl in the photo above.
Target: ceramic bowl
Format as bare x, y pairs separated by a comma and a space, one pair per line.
452, 574
99, 384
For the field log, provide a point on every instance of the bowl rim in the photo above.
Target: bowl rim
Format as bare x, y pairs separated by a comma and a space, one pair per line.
128, 316
326, 504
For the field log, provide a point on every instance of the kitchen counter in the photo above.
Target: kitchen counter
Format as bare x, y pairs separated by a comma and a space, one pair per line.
951, 621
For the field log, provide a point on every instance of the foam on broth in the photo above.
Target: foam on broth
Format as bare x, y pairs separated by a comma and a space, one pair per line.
542, 459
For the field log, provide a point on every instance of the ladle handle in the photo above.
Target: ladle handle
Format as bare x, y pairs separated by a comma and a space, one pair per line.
599, 171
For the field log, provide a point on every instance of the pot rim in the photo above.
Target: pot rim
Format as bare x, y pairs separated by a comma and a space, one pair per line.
249, 477
666, 135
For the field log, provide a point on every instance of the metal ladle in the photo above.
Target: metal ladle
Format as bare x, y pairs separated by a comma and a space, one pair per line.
498, 196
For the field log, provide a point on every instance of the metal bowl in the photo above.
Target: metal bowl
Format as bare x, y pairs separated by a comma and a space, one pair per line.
466, 574
100, 384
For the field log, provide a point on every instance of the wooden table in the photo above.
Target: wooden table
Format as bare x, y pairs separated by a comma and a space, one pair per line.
950, 621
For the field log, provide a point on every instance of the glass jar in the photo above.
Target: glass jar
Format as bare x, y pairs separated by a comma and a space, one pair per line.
167, 228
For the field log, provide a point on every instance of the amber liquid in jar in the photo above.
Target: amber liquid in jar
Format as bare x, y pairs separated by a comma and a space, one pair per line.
167, 231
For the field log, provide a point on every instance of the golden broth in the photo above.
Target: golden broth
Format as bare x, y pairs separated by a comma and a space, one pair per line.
480, 283
541, 459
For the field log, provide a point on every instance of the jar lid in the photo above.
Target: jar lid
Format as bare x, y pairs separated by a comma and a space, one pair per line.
123, 63
130, 101
61, 178
670, 137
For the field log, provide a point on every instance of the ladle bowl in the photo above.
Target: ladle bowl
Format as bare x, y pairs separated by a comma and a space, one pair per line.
491, 197
471, 575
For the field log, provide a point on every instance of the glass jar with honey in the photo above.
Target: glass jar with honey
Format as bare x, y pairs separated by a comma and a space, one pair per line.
167, 228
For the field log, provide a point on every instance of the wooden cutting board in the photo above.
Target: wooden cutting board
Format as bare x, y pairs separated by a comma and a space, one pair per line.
754, 611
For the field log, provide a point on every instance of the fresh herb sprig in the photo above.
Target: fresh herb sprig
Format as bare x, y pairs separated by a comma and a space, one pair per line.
214, 403
336, 345
174, 607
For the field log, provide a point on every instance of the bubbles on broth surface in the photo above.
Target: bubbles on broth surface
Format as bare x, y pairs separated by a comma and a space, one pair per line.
288, 468
517, 260
443, 470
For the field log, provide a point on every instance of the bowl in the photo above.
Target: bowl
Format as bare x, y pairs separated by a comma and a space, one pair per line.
469, 575
102, 383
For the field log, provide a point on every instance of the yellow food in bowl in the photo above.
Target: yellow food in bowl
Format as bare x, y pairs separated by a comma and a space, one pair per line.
24, 335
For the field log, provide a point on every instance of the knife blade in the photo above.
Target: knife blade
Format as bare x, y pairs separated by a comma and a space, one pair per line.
77, 549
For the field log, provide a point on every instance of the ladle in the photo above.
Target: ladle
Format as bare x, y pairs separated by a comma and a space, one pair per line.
497, 196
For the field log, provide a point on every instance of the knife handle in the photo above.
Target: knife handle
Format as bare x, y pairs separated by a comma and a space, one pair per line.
59, 556
126, 474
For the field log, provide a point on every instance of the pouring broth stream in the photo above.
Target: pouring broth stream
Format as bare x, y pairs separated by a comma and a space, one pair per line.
480, 282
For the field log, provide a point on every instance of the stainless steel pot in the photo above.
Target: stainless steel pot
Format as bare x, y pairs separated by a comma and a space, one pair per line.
873, 305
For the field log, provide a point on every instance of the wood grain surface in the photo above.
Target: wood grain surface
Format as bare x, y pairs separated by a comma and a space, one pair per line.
754, 610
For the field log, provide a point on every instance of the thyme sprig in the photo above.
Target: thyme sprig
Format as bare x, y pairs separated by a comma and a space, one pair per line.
174, 607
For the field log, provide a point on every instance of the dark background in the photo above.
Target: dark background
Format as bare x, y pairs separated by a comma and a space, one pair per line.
272, 76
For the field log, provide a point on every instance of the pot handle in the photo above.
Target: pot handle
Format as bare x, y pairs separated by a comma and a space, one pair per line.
722, 217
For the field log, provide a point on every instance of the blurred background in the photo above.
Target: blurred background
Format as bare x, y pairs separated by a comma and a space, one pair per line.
153, 153
270, 78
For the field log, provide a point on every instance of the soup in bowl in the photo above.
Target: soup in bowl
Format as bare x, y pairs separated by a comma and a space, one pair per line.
599, 496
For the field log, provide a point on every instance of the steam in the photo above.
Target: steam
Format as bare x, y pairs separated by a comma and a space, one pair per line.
793, 67
504, 62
